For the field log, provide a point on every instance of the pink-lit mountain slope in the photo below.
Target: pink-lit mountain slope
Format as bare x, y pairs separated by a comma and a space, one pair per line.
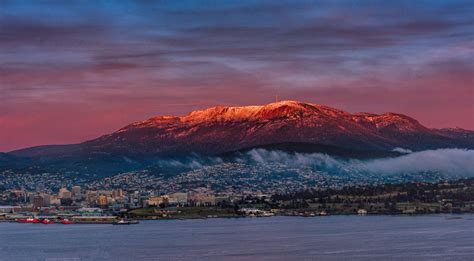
222, 129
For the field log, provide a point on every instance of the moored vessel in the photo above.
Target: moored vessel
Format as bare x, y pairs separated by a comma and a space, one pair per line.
47, 221
125, 222
28, 220
67, 222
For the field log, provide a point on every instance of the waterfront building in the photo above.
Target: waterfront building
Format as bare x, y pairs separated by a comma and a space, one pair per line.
54, 200
46, 199
91, 197
93, 219
64, 193
38, 202
117, 193
154, 201
9, 209
89, 211
178, 198
102, 200
76, 190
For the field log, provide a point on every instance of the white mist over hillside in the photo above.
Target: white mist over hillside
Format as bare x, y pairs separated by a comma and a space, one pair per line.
456, 162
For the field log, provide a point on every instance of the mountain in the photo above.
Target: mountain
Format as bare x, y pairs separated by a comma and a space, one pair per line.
464, 136
8, 161
219, 130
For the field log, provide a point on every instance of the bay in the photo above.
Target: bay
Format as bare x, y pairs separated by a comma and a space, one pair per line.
426, 237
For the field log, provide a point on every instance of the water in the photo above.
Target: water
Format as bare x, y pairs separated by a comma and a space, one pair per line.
276, 238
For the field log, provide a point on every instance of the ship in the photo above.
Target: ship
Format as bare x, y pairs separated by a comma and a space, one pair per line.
125, 222
28, 220
48, 221
67, 222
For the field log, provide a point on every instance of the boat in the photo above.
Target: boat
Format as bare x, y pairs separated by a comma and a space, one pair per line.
93, 219
125, 222
67, 222
48, 221
28, 220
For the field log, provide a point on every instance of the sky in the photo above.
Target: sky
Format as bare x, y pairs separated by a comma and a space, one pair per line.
74, 70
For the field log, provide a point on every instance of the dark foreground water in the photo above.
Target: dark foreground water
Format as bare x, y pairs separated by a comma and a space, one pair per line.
276, 238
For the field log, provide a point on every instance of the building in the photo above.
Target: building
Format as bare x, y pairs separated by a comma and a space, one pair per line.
117, 193
38, 202
9, 209
54, 200
46, 199
178, 198
91, 196
76, 190
64, 193
93, 219
201, 199
154, 201
102, 200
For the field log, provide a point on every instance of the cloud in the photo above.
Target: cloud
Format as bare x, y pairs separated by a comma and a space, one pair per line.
402, 150
454, 162
450, 162
191, 162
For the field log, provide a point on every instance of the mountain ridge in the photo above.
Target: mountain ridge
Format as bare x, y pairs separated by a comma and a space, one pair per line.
285, 121
288, 125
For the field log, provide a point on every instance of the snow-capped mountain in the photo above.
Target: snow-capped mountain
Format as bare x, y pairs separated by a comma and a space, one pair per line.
222, 129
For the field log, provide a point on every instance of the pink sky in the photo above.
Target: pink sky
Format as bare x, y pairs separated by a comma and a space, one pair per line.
73, 73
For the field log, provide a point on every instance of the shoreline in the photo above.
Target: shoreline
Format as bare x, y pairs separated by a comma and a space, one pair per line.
448, 216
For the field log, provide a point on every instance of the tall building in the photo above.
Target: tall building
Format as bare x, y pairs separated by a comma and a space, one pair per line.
54, 200
64, 193
102, 200
91, 196
46, 199
117, 193
76, 190
38, 202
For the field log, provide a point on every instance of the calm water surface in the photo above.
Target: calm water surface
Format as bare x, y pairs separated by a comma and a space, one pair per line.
276, 238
